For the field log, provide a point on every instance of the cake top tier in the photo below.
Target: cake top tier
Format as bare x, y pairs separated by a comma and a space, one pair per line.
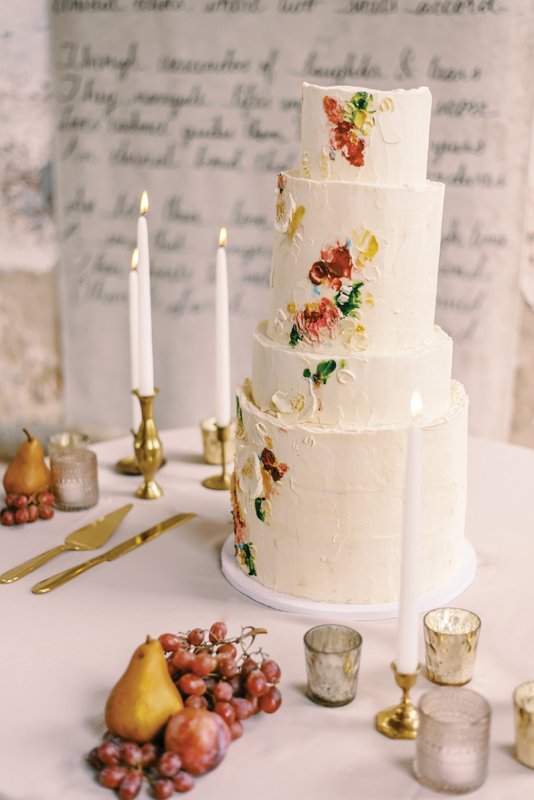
350, 133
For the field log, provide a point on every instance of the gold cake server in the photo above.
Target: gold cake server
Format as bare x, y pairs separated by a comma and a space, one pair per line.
90, 537
125, 547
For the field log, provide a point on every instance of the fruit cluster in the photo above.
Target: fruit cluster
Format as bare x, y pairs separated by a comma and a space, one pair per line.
21, 508
223, 681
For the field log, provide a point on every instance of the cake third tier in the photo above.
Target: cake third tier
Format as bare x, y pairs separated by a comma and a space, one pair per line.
354, 266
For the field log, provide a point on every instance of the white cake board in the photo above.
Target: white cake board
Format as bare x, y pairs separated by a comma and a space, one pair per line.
300, 605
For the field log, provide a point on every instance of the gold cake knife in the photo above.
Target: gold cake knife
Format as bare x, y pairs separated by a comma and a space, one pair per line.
90, 537
125, 547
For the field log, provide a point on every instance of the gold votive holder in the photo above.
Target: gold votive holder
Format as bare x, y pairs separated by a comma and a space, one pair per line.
451, 638
524, 723
148, 449
223, 480
400, 721
211, 446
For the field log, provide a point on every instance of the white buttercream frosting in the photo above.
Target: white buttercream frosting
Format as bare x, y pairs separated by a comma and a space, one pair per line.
365, 135
382, 243
335, 516
360, 389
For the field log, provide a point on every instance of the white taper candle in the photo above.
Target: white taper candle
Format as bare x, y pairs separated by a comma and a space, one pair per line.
133, 305
407, 657
222, 336
146, 362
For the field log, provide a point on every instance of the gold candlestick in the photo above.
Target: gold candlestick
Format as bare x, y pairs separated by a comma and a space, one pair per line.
148, 449
400, 721
221, 481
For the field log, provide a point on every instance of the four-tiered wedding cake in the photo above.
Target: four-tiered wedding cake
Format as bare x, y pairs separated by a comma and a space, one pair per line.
322, 426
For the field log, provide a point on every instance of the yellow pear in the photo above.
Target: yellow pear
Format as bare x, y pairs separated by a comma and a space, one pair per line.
145, 697
27, 473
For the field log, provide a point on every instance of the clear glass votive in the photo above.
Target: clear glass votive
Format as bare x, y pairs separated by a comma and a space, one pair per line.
74, 477
66, 440
453, 740
451, 638
332, 663
524, 723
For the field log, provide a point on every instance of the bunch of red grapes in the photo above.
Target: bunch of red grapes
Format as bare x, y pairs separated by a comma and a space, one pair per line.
22, 508
212, 672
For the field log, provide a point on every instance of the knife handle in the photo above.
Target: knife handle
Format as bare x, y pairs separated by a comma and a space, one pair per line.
28, 566
62, 577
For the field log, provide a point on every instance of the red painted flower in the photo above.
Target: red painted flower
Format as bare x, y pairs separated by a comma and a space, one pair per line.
336, 263
318, 321
333, 110
353, 152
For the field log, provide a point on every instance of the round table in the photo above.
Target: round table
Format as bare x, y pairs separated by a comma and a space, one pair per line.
62, 652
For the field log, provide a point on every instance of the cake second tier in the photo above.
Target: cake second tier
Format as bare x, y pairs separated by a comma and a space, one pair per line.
354, 267
361, 389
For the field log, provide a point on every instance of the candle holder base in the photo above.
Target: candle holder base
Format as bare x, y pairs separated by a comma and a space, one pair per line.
400, 721
222, 481
149, 490
217, 482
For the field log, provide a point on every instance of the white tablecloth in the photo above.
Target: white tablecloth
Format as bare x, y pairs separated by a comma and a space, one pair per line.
61, 653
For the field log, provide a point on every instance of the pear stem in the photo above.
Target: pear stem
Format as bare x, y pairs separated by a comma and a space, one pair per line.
28, 434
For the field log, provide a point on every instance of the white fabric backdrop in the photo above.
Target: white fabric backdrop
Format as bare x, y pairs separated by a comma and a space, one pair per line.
199, 104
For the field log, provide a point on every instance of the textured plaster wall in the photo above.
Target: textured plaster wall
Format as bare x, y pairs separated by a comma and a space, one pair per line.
30, 384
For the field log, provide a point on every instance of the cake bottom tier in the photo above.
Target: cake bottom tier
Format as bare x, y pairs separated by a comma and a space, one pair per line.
318, 511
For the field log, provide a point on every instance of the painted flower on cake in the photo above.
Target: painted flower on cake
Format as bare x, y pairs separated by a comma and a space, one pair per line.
248, 473
351, 125
315, 322
293, 408
323, 370
335, 264
244, 549
288, 216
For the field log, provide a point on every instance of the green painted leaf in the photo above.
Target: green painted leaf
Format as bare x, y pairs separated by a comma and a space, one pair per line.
342, 364
294, 336
307, 373
348, 304
325, 368
361, 100
249, 559
258, 505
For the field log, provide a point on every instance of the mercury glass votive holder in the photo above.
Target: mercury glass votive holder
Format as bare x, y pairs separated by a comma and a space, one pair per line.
453, 740
332, 664
66, 440
74, 478
451, 638
211, 446
524, 723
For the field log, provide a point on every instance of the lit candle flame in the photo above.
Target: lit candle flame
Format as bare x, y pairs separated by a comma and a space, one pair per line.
135, 258
143, 208
223, 238
416, 405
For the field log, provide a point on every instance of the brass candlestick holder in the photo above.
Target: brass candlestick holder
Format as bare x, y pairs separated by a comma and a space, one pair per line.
400, 721
148, 449
221, 481
128, 465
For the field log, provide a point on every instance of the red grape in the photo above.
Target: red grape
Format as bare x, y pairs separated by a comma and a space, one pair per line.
256, 683
11, 499
149, 754
171, 643
183, 782
254, 703
131, 754
21, 516
112, 777
242, 707
271, 700
196, 636
169, 764
191, 684
228, 649
204, 663
21, 501
183, 659
46, 512
33, 513
271, 670
7, 517
162, 789
223, 691
236, 729
200, 738
235, 683
93, 759
226, 711
46, 498
108, 753
195, 701
218, 632
131, 785
227, 666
